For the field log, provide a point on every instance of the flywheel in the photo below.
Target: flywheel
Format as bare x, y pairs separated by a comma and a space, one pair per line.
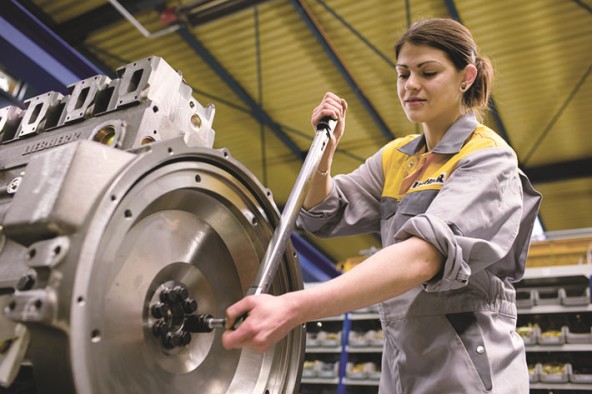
178, 234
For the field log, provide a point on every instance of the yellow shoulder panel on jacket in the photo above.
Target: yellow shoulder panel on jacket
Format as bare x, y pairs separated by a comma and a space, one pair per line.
391, 148
401, 170
483, 137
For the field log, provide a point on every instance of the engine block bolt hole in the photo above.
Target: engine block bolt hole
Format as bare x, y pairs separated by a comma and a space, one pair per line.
147, 140
105, 136
95, 336
195, 121
26, 282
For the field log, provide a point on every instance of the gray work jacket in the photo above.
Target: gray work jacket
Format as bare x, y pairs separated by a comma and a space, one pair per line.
467, 197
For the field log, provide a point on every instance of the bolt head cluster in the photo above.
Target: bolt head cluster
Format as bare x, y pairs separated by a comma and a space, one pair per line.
174, 307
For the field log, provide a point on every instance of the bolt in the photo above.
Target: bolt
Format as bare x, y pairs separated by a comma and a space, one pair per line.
164, 295
184, 338
189, 305
170, 340
158, 328
173, 294
26, 282
181, 292
14, 185
159, 310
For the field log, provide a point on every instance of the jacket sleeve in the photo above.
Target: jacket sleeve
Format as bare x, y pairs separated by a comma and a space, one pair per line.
476, 219
352, 206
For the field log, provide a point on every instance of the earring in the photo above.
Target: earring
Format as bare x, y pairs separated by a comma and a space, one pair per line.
463, 86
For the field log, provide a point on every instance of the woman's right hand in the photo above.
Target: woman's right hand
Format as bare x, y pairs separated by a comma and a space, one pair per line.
334, 107
270, 318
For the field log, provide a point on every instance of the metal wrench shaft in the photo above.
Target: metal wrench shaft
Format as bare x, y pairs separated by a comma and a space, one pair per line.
216, 323
277, 246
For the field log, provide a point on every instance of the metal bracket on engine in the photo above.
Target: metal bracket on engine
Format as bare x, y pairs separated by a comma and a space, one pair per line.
14, 341
84, 99
37, 305
49, 253
40, 114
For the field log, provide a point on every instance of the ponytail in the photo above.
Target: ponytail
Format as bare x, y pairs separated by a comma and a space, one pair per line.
476, 98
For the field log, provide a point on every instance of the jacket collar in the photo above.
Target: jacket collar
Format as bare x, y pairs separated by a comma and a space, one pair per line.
451, 142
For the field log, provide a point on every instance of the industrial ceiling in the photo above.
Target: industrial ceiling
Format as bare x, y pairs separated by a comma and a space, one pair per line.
266, 64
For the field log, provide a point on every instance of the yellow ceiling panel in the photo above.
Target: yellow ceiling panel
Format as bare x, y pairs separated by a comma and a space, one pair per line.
566, 203
64, 10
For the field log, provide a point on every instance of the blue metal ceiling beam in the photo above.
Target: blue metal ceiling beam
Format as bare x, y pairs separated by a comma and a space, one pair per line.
34, 53
562, 171
322, 38
256, 110
501, 128
583, 5
359, 35
557, 115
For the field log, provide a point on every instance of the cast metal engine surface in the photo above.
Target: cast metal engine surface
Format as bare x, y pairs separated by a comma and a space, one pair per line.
120, 224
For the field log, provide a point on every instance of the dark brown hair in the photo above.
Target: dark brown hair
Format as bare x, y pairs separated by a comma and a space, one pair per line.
457, 42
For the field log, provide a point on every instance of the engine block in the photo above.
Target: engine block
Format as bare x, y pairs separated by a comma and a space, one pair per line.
112, 199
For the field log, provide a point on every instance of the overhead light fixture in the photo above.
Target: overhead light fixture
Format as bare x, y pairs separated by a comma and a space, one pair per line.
203, 11
127, 15
197, 13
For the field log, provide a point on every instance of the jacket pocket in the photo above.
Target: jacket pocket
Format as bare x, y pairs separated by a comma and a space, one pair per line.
412, 205
388, 207
466, 327
416, 203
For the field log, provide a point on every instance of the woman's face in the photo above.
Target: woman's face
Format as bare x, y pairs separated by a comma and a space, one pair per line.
428, 86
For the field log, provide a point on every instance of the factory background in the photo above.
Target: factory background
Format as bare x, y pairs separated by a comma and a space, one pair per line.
266, 64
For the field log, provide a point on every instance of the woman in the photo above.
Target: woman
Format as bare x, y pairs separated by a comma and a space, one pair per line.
455, 215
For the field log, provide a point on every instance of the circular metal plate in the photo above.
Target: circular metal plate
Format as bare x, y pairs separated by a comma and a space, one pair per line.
195, 219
